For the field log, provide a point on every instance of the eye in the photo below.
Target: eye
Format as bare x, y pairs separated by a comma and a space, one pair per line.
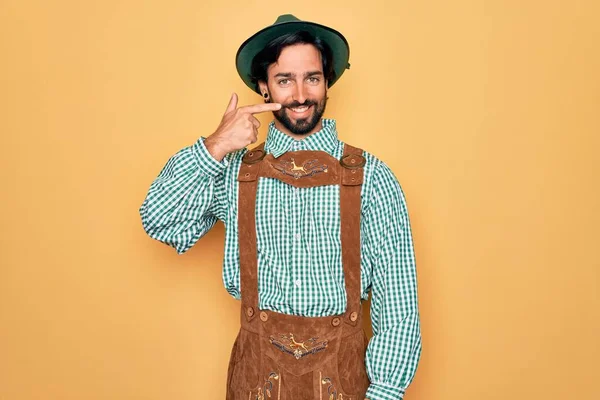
313, 80
283, 81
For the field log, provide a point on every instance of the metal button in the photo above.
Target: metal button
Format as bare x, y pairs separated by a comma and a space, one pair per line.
335, 321
264, 316
353, 316
250, 311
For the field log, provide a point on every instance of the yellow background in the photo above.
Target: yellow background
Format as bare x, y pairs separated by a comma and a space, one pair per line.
487, 111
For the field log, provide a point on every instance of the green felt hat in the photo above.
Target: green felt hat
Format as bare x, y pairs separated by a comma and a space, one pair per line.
287, 23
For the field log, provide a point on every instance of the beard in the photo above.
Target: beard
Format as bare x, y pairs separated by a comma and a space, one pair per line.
302, 126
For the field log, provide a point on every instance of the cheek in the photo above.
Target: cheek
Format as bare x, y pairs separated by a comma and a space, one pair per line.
279, 93
317, 93
281, 97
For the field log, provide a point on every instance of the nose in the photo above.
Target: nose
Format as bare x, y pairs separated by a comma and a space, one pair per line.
299, 94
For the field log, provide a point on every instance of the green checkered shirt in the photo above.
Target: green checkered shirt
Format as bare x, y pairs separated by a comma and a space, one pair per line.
298, 238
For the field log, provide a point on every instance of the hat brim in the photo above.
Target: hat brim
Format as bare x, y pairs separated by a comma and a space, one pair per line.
253, 45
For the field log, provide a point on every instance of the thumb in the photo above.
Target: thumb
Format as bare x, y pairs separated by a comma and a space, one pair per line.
232, 103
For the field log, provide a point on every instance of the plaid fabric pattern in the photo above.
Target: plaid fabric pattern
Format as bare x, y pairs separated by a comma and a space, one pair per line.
299, 247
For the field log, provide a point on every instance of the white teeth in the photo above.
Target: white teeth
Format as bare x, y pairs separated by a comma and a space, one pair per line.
300, 109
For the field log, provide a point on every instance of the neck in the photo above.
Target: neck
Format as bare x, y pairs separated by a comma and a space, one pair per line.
296, 136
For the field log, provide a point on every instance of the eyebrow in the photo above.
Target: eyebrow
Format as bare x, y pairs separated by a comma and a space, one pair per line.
313, 73
290, 75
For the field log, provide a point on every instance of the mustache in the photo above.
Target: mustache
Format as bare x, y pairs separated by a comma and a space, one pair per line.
296, 104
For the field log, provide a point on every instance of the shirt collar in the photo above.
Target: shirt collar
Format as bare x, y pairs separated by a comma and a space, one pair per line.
325, 139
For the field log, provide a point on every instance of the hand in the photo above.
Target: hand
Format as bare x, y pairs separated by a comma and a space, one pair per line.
238, 128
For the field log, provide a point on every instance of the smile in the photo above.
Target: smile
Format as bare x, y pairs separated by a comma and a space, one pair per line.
299, 111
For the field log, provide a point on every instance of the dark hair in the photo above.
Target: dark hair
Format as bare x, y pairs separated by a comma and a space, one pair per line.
270, 54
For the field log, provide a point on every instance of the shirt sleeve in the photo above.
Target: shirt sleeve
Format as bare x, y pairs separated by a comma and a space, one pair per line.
394, 351
186, 198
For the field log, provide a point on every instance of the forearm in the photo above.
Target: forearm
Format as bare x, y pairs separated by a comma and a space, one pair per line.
181, 204
392, 359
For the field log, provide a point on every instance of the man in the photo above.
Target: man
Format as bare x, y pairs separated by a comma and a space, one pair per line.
312, 224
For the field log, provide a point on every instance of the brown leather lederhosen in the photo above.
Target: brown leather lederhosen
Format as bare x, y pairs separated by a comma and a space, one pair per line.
286, 357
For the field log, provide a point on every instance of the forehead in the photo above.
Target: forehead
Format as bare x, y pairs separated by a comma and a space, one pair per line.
297, 58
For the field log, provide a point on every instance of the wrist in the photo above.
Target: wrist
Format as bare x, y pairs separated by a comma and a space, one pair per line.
215, 148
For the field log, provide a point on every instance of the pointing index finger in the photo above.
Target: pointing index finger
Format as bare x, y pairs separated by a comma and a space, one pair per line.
260, 108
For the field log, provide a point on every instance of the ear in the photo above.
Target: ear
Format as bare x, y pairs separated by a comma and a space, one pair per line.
262, 86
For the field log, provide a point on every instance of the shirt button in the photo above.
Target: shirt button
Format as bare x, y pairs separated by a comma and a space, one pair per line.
297, 236
298, 282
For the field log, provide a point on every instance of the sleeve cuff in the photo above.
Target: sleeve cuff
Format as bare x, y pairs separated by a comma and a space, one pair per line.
384, 392
208, 164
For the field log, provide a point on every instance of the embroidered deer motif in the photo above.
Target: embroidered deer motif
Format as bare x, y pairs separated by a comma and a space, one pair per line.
296, 345
307, 168
297, 168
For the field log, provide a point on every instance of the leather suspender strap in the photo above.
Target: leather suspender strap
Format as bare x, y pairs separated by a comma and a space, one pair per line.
350, 205
248, 183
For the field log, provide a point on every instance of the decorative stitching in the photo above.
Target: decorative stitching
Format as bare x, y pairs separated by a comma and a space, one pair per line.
308, 168
320, 386
289, 345
279, 389
331, 390
268, 387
